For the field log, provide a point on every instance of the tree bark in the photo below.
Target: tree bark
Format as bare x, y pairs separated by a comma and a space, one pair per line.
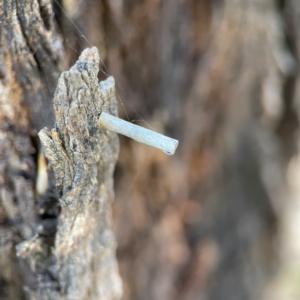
216, 221
57, 217
83, 157
31, 58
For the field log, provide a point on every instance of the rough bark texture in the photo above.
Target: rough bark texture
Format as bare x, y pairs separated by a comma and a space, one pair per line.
30, 63
219, 220
75, 257
83, 157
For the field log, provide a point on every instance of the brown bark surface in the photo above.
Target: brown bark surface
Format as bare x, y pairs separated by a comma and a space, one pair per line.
30, 57
222, 77
56, 240
219, 220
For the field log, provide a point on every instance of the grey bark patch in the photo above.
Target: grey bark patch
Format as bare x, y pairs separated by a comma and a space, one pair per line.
83, 158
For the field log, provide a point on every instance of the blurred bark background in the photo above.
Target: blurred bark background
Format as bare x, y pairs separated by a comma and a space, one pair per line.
220, 219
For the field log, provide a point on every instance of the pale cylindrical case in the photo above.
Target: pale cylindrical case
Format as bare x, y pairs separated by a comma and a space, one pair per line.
138, 133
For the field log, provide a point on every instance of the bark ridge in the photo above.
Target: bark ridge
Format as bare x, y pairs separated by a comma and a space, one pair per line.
82, 264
